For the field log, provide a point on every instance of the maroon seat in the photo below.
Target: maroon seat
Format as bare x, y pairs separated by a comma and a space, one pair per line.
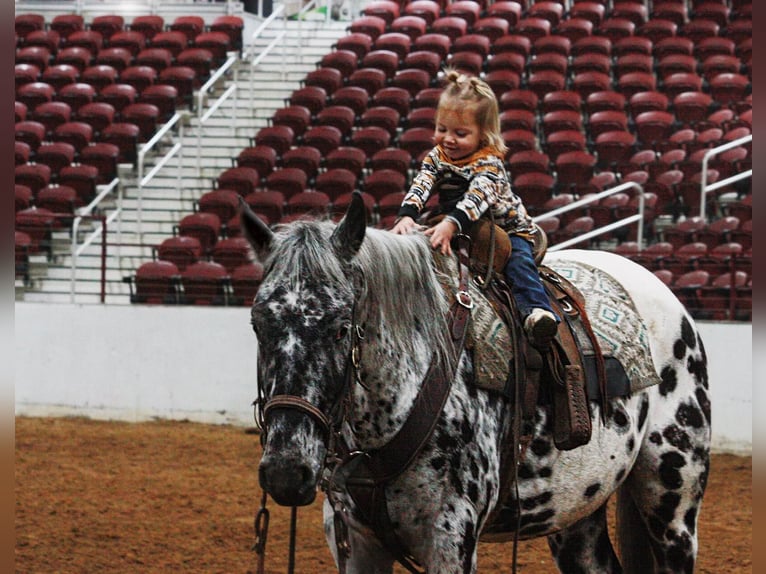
346, 157
335, 181
372, 26
82, 178
428, 10
371, 139
393, 158
503, 81
119, 95
20, 111
21, 152
396, 42
466, 62
465, 9
232, 26
77, 134
389, 204
107, 25
341, 203
156, 283
310, 202
217, 43
189, 25
519, 140
324, 138
26, 74
262, 158
688, 288
440, 44
270, 203
382, 182
536, 188
22, 197
172, 40
125, 136
222, 202
145, 116
358, 42
345, 61
342, 117
245, 281
312, 97
278, 137
614, 148
416, 141
201, 60
287, 180
76, 56
574, 170
89, 39
242, 179
48, 39
38, 224
385, 60
181, 250
381, 116
99, 76
163, 96
51, 115
306, 158
104, 157
575, 228
204, 283
37, 56
204, 226
131, 40
232, 253
553, 12
67, 24
533, 27
35, 93
673, 45
29, 22
369, 79
329, 79
182, 78
157, 58
55, 155
411, 25
61, 200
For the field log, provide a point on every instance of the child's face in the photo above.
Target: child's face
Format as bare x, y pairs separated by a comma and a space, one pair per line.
457, 132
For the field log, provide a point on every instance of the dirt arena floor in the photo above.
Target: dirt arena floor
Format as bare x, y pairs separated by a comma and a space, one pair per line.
107, 497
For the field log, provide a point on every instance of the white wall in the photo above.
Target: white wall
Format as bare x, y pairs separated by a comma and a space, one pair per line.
136, 363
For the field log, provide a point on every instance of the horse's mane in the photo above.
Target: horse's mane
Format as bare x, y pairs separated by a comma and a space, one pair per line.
402, 290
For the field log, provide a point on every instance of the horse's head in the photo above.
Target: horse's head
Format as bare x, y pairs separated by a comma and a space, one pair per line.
303, 317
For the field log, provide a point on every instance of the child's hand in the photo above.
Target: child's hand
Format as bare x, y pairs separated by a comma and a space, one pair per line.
441, 235
404, 226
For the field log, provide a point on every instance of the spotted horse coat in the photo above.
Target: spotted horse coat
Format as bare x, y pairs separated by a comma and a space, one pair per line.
334, 296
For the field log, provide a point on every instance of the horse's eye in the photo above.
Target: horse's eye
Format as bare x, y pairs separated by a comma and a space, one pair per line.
342, 332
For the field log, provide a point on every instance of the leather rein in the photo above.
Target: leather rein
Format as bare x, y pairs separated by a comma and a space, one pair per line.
370, 471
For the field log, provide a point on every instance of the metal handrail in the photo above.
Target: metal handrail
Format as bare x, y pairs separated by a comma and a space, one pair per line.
200, 124
143, 180
276, 13
212, 81
86, 213
638, 217
704, 187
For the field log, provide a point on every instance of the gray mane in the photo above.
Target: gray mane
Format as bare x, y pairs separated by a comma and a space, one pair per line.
402, 290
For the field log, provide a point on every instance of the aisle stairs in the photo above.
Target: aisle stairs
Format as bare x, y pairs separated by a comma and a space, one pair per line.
180, 180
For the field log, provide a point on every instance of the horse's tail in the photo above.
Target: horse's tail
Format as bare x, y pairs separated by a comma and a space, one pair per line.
632, 536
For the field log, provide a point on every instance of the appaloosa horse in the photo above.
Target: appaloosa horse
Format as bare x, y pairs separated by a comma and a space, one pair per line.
352, 322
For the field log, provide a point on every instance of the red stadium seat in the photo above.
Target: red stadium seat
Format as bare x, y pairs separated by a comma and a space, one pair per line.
156, 283
204, 283
180, 250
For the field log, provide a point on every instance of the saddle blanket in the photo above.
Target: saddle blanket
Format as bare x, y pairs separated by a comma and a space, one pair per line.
622, 334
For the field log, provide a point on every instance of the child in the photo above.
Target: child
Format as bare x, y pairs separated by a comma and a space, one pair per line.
469, 146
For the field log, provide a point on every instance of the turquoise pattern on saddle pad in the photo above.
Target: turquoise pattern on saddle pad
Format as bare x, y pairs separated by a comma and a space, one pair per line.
621, 332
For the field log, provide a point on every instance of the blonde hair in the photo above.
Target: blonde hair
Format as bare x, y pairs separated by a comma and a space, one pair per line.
462, 91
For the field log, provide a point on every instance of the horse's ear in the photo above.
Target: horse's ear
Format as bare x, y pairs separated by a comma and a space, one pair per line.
348, 236
255, 230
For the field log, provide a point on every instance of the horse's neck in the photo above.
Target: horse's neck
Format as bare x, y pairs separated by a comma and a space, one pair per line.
388, 383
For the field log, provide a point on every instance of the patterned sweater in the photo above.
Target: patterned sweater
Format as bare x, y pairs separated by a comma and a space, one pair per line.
488, 187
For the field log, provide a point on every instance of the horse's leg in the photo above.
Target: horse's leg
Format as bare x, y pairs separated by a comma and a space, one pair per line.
668, 480
585, 546
367, 555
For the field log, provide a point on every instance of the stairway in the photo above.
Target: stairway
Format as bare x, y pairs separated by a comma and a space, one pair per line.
172, 192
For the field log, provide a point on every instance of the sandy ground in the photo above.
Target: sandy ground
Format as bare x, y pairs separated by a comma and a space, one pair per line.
98, 497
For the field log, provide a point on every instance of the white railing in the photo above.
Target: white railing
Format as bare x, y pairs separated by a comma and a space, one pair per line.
203, 117
87, 213
145, 148
704, 187
638, 217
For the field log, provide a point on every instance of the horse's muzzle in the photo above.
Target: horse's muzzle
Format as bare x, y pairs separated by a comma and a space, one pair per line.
289, 481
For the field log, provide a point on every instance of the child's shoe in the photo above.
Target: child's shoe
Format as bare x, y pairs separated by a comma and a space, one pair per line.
541, 327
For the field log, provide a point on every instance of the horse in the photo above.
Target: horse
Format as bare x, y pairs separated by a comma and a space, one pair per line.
349, 321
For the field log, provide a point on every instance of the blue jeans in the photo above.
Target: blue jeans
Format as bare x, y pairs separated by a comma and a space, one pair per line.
524, 279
